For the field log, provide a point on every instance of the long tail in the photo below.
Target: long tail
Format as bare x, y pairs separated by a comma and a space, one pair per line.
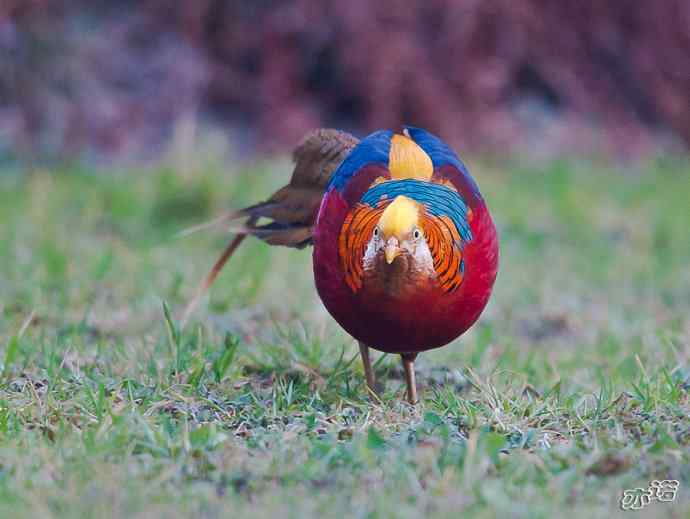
211, 277
292, 209
274, 233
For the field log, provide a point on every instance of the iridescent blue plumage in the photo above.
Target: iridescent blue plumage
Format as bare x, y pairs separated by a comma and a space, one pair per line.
373, 149
438, 199
440, 153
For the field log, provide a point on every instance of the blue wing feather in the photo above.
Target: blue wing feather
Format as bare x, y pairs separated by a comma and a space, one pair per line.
440, 153
439, 200
373, 149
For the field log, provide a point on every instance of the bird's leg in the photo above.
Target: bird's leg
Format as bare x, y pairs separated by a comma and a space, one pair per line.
368, 369
408, 366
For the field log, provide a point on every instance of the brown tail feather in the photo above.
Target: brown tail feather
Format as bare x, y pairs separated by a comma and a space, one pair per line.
216, 222
292, 209
211, 276
297, 236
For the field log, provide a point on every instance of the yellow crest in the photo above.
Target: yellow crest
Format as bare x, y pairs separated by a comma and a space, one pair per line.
407, 160
399, 217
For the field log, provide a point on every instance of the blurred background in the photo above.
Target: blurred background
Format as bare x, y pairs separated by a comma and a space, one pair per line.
125, 122
118, 79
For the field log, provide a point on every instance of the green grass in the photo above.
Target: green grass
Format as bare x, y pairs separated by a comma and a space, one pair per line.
572, 388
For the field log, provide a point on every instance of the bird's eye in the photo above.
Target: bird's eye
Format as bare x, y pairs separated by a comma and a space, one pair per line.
376, 232
416, 234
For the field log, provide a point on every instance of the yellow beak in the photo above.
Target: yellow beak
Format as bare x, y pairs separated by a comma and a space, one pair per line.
392, 250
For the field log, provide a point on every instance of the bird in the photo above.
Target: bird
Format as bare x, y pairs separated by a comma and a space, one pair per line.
405, 251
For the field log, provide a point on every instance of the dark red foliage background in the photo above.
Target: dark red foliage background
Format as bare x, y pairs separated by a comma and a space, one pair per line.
113, 76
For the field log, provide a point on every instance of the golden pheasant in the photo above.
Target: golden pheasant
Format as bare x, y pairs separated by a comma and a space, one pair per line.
405, 250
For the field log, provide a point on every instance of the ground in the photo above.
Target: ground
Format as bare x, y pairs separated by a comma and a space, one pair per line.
572, 387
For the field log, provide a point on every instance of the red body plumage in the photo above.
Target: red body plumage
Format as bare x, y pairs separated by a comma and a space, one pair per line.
405, 251
427, 317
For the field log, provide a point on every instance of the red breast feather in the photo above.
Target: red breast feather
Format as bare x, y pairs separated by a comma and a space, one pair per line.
428, 315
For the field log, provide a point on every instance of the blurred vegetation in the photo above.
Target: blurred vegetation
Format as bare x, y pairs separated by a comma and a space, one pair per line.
573, 386
114, 78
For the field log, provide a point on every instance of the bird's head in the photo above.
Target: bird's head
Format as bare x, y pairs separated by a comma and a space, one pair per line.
398, 231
